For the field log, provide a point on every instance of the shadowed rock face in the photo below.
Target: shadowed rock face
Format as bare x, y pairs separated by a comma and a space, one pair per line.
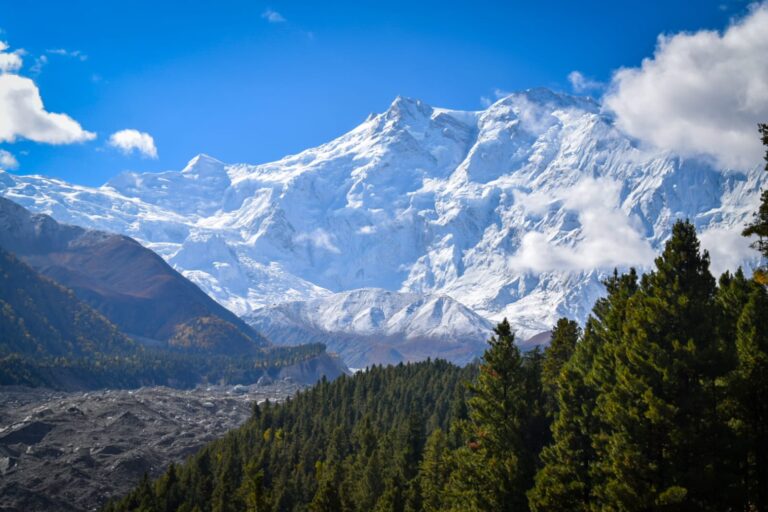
73, 451
129, 284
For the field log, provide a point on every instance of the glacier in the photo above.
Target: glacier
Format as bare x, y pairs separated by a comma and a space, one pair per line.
518, 210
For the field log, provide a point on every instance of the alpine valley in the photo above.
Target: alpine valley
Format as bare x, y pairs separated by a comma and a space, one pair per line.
408, 236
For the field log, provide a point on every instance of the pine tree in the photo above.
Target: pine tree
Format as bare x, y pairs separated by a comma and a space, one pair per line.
329, 475
571, 465
751, 389
733, 293
167, 488
434, 471
497, 410
225, 497
253, 491
535, 422
564, 337
327, 497
759, 226
662, 411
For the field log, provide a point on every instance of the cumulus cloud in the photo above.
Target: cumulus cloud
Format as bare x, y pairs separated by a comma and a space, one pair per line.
23, 115
273, 16
581, 83
10, 62
606, 236
131, 140
727, 248
7, 160
701, 94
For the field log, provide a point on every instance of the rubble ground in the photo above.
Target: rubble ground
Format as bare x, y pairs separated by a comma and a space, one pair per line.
72, 451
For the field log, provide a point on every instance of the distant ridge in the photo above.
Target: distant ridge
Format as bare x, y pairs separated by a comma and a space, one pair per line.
38, 317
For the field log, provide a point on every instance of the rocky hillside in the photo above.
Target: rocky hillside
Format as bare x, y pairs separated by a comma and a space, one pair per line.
38, 317
128, 283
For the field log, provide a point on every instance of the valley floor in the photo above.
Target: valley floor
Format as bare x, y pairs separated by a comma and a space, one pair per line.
73, 451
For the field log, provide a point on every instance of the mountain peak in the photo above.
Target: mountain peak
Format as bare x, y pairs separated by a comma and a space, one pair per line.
203, 164
403, 106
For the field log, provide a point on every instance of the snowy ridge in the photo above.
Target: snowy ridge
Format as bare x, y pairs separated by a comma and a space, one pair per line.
360, 324
518, 210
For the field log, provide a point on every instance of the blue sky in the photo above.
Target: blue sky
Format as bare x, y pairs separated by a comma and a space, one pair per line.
253, 81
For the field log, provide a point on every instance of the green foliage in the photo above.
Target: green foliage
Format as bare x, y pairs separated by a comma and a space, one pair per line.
149, 367
434, 471
561, 347
661, 410
497, 410
354, 444
750, 384
571, 465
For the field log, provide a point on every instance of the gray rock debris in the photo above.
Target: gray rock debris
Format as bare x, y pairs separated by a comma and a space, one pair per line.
73, 451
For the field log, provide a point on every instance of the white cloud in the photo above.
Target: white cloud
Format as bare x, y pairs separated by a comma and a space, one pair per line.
131, 140
701, 93
10, 62
75, 54
581, 83
606, 237
727, 248
22, 115
7, 160
273, 16
40, 62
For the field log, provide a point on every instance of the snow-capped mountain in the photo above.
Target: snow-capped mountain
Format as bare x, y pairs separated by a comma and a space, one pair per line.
370, 326
517, 210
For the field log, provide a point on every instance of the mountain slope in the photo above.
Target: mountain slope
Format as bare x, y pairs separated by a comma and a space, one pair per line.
38, 317
518, 210
126, 282
373, 326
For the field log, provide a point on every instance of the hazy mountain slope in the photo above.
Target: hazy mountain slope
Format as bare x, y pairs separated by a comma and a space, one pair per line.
128, 283
370, 326
38, 317
518, 210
